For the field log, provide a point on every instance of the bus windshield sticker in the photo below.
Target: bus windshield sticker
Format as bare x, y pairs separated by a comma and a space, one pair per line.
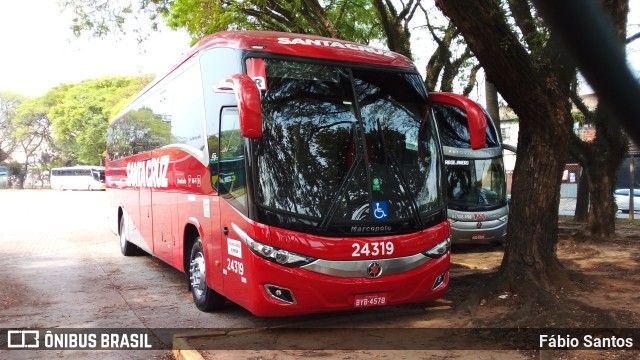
234, 248
257, 71
375, 184
380, 210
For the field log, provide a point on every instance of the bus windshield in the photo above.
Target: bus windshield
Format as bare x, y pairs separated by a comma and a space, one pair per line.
346, 149
475, 184
98, 175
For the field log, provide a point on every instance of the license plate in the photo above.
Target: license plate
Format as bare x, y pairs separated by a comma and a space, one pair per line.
477, 237
364, 300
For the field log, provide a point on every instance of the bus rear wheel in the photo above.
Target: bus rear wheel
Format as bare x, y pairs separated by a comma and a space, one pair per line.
204, 298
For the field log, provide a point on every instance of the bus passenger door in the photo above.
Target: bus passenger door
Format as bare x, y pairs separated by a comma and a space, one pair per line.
233, 205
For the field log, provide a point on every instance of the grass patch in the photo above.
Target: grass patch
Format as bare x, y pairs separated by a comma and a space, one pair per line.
636, 221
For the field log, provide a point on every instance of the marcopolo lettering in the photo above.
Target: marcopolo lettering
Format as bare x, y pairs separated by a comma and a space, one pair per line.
334, 44
370, 228
149, 173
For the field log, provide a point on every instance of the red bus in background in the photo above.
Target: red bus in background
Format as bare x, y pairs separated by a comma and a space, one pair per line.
289, 174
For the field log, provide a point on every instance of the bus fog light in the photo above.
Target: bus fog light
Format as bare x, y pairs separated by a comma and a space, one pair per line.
280, 293
439, 281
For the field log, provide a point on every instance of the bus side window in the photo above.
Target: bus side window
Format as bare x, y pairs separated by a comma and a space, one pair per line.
231, 175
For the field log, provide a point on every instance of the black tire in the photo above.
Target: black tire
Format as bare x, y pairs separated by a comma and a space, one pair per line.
204, 298
126, 247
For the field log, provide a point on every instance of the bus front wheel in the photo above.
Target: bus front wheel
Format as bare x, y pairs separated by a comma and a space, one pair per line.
204, 298
126, 247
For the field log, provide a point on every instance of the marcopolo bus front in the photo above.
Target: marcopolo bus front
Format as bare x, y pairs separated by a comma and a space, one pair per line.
279, 282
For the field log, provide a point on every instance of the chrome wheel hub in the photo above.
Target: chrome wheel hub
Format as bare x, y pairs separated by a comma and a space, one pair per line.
197, 274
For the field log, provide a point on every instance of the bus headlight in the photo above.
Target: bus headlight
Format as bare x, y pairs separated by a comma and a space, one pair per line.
273, 254
439, 250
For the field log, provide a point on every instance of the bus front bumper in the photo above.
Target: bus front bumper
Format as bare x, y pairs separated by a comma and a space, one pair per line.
294, 291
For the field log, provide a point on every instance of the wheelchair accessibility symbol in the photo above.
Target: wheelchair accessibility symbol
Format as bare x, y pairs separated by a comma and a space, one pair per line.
380, 210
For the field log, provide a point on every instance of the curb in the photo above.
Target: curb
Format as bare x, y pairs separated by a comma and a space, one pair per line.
182, 349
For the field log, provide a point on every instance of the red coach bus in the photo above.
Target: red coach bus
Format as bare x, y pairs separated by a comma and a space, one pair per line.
287, 173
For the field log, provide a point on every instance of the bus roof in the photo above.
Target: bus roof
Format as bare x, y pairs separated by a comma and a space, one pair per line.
293, 44
310, 46
96, 167
302, 45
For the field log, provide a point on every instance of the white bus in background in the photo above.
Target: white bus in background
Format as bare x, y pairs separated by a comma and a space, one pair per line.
78, 178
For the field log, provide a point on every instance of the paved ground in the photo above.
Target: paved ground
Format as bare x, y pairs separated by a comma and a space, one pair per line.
61, 267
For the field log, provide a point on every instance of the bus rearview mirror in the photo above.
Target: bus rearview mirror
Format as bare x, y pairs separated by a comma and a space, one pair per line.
476, 119
248, 100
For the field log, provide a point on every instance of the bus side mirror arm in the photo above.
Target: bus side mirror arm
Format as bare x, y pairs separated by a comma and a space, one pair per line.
248, 100
476, 119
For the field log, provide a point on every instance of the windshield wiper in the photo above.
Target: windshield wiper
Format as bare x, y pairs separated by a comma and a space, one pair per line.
326, 220
394, 165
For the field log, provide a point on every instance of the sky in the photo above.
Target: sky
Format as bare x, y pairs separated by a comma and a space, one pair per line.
38, 51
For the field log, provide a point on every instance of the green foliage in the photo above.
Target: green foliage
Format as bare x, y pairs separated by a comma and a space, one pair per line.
9, 102
81, 114
77, 115
16, 172
353, 20
100, 18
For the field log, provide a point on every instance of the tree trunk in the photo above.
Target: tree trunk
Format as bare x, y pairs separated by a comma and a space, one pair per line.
530, 259
23, 177
537, 88
493, 107
602, 217
582, 199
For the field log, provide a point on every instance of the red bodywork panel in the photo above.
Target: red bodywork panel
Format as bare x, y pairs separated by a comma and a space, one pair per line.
341, 248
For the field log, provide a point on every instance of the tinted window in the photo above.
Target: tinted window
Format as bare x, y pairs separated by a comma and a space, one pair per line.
187, 113
144, 128
231, 179
172, 113
343, 148
454, 129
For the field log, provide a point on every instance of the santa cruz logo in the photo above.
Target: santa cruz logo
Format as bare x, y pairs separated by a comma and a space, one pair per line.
334, 44
149, 173
374, 270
